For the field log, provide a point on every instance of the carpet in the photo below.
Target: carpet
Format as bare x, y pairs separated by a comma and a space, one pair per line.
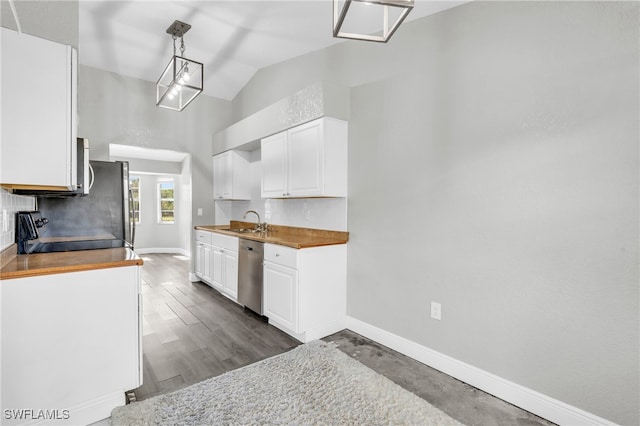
313, 384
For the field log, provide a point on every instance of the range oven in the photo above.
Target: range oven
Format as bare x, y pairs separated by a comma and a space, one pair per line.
32, 237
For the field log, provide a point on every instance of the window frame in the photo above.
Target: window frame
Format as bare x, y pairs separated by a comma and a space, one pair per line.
137, 177
160, 200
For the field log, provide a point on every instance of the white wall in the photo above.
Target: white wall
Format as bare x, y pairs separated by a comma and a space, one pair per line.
493, 167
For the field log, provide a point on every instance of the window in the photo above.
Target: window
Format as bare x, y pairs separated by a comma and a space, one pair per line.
134, 187
166, 194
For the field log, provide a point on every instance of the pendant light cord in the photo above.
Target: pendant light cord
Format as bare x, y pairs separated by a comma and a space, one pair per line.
182, 48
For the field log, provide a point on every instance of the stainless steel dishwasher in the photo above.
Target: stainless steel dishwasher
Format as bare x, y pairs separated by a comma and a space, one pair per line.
250, 259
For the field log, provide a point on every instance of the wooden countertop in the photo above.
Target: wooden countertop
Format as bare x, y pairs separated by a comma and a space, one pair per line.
31, 265
289, 236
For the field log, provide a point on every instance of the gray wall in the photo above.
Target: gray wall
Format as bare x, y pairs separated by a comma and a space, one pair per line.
116, 109
506, 135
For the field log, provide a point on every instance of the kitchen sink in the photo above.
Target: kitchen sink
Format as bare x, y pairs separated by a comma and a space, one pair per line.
244, 230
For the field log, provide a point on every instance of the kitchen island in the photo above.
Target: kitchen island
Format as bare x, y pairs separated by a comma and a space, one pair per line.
71, 334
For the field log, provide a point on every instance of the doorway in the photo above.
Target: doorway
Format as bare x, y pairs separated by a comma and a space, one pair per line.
161, 183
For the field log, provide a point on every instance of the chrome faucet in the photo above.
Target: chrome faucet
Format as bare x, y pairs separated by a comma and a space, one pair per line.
261, 227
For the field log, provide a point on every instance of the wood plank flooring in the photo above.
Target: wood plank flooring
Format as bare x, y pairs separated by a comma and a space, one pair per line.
192, 332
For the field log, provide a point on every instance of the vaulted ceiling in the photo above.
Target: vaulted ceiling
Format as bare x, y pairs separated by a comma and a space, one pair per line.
233, 39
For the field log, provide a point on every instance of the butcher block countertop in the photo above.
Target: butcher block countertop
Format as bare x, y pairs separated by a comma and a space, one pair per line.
289, 236
31, 265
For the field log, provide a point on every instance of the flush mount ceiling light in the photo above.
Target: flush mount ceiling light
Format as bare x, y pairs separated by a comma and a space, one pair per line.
182, 80
370, 20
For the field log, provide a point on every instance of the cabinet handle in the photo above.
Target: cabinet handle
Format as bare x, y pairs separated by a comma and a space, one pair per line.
277, 254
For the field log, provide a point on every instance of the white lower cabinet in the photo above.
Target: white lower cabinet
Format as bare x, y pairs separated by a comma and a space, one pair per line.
230, 280
224, 265
281, 298
203, 261
216, 262
203, 255
305, 290
71, 342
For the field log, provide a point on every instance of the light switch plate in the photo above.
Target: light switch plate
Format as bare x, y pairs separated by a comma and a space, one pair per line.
436, 311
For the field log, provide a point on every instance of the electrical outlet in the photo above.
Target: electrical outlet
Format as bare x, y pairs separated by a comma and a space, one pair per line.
436, 311
199, 211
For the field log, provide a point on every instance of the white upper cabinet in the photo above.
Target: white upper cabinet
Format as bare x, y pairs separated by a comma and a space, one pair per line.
231, 176
274, 165
309, 160
39, 126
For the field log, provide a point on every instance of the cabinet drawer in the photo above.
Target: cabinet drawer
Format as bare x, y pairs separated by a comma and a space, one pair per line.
225, 241
203, 237
281, 255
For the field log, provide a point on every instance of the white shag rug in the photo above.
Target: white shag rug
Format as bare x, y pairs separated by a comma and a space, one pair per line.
313, 384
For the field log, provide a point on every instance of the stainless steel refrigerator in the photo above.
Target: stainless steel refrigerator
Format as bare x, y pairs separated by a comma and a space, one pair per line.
101, 219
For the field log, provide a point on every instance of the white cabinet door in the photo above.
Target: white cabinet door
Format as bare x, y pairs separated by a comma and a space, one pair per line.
309, 160
221, 178
306, 160
231, 176
230, 281
274, 166
199, 265
207, 266
224, 271
281, 296
39, 126
203, 262
217, 268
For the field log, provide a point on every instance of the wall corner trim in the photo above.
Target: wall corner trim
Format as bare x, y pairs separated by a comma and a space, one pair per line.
520, 396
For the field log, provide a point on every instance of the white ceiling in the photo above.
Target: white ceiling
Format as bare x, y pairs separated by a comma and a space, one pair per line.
233, 38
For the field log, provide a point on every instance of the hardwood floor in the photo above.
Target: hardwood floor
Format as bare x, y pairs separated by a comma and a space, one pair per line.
192, 332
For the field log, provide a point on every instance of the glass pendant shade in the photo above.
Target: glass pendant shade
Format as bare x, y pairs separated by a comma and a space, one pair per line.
180, 83
370, 20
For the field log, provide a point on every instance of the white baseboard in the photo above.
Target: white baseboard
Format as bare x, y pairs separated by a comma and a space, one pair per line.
520, 396
84, 413
170, 250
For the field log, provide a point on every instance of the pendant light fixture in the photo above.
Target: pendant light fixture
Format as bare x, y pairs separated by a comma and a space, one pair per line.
370, 20
182, 79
